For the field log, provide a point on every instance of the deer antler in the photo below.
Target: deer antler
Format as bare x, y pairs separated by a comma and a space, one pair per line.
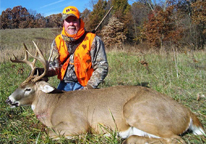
38, 56
25, 60
42, 60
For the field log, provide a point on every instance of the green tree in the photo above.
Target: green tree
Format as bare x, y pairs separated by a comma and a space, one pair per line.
122, 11
99, 10
121, 8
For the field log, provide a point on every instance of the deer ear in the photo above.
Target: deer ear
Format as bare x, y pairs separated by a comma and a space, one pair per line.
45, 87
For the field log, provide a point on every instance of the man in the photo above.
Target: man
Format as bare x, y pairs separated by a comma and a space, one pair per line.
78, 57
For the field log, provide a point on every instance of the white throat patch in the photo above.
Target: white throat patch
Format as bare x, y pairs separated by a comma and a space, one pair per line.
33, 107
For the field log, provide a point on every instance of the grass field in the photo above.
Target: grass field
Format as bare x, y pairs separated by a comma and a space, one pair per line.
179, 75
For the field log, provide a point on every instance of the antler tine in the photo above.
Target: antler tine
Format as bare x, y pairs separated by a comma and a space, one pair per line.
25, 60
34, 61
31, 63
42, 60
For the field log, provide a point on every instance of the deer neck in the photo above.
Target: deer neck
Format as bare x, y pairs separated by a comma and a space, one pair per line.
43, 106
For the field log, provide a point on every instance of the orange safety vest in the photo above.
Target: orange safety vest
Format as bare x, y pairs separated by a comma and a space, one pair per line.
82, 59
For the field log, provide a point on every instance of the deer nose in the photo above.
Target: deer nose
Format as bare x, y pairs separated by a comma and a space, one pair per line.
8, 101
12, 104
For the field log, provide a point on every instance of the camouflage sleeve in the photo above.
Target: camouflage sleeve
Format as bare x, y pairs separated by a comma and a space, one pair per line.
99, 62
53, 60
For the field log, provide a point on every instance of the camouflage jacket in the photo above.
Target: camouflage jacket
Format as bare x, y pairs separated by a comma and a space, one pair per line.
98, 58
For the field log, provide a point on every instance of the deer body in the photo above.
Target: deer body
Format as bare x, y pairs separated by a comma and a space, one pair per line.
138, 113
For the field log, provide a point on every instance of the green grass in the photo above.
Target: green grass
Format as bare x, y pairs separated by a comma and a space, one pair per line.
173, 73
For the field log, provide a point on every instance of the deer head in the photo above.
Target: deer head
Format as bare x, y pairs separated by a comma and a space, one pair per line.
25, 93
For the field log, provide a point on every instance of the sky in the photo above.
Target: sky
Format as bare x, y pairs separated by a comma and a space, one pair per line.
45, 7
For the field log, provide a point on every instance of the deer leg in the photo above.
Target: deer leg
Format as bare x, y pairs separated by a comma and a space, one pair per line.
66, 130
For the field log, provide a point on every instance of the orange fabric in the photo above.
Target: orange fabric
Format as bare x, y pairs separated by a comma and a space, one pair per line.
71, 10
80, 32
82, 58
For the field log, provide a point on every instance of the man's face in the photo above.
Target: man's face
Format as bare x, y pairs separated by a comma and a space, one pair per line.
71, 25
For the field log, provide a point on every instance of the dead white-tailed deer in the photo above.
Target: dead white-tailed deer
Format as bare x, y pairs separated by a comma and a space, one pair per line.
138, 113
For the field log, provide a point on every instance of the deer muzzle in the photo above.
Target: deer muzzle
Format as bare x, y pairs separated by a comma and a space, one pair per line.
13, 104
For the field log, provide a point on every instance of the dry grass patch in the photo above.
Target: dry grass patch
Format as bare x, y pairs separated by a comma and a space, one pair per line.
11, 41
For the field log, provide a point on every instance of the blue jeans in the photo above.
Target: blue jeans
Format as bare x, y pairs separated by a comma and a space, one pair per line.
70, 86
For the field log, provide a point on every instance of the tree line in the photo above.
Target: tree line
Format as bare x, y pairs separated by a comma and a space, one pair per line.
20, 17
167, 23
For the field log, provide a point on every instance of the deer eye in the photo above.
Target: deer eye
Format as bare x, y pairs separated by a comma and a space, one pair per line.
27, 89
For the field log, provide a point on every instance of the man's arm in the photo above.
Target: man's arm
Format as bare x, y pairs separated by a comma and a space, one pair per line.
99, 63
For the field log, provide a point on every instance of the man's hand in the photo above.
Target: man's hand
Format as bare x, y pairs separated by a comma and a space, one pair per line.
88, 87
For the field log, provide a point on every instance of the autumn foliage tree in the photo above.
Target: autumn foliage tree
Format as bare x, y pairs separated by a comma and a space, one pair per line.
85, 17
199, 18
113, 33
54, 20
139, 11
161, 27
12, 18
19, 17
